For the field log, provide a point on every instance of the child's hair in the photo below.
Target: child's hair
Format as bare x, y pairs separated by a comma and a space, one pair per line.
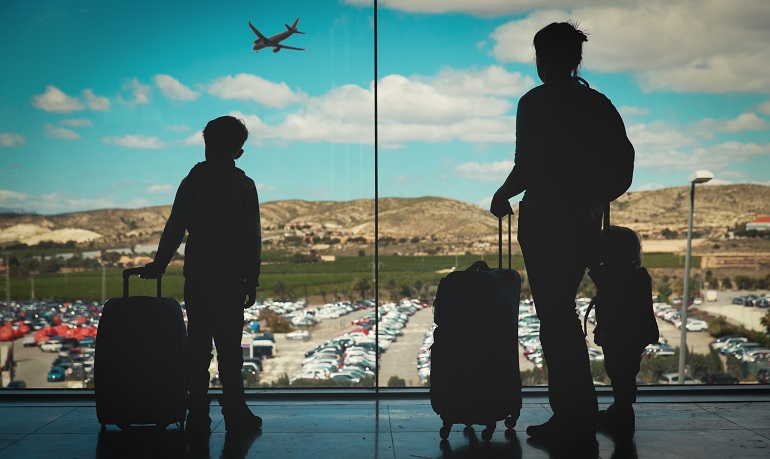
225, 135
621, 246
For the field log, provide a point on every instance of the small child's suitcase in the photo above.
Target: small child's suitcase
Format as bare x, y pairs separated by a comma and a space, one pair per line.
474, 376
139, 361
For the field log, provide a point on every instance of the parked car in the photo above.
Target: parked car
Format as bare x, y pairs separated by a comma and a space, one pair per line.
720, 378
51, 345
304, 335
673, 378
29, 341
696, 325
762, 377
722, 341
56, 374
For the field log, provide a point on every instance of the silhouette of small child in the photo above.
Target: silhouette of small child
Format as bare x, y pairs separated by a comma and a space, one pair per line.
218, 207
625, 321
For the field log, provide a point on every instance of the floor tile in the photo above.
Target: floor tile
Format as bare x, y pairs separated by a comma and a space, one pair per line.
747, 415
27, 419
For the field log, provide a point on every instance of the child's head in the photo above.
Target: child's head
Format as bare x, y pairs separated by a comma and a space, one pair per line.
224, 138
621, 247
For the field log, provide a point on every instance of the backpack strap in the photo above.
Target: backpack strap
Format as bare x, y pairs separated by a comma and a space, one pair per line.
585, 317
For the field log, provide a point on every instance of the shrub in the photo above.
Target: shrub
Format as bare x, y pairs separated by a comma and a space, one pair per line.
395, 381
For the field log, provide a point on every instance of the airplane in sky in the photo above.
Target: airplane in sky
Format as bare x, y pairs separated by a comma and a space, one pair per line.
274, 42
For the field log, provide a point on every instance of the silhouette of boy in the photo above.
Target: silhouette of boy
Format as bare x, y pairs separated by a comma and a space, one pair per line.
625, 321
217, 205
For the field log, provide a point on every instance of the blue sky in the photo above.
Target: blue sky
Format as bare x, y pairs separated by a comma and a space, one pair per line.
102, 105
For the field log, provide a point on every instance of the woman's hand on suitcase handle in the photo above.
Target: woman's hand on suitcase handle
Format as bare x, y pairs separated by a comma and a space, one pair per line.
500, 206
152, 271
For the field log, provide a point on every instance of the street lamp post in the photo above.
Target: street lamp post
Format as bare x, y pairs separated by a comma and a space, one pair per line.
696, 177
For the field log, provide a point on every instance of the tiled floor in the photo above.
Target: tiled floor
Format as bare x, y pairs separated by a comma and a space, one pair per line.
675, 425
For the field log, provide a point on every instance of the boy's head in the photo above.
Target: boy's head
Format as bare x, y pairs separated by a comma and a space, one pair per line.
224, 138
621, 247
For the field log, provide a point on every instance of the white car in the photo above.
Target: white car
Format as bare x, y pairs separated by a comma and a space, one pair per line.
694, 325
304, 335
51, 345
697, 325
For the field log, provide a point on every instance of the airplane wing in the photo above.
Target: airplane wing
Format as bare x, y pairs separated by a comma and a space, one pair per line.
288, 47
261, 37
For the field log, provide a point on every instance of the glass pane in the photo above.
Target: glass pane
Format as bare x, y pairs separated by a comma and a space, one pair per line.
101, 120
450, 79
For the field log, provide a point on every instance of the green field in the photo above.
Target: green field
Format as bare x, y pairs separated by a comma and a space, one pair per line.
281, 278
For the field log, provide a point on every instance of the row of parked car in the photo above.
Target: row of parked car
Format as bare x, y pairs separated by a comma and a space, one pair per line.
674, 316
752, 300
741, 348
354, 355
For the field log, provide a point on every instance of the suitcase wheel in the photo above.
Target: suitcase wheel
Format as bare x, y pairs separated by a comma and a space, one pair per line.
510, 422
487, 433
444, 432
104, 427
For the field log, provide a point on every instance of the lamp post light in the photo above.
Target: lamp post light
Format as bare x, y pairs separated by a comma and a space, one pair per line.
700, 176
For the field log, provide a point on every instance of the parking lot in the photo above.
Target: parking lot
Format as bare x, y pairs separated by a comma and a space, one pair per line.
401, 358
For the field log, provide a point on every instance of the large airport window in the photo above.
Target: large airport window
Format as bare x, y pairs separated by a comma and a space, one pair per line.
364, 206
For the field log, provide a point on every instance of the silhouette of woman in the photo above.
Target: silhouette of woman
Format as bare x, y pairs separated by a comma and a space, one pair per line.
559, 223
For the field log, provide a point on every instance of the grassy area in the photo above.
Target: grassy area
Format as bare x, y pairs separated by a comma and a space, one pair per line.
326, 278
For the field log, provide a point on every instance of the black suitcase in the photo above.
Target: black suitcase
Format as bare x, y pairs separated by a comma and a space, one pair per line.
474, 375
139, 361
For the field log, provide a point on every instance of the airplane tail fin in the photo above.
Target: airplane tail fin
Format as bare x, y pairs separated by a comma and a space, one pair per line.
293, 27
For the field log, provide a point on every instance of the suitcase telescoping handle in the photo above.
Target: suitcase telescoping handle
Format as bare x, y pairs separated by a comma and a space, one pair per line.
134, 272
500, 242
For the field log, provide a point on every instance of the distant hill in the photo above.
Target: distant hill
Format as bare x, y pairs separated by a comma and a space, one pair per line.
718, 208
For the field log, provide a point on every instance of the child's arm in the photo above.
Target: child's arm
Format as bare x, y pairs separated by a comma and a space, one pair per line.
173, 233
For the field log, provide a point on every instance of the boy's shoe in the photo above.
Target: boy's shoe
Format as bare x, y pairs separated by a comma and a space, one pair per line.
561, 430
617, 420
198, 423
241, 420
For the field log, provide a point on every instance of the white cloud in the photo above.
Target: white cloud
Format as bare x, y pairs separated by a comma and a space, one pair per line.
626, 110
77, 122
245, 86
96, 103
140, 93
476, 7
744, 122
10, 139
52, 203
487, 172
264, 188
160, 189
764, 107
135, 141
453, 105
56, 101
56, 132
196, 139
716, 158
173, 89
657, 136
674, 45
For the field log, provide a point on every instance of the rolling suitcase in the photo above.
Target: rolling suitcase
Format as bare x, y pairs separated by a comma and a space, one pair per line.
139, 361
474, 376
